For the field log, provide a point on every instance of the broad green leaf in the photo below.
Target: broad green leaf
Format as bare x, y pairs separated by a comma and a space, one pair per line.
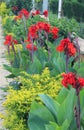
51, 104
82, 98
66, 109
7, 67
80, 70
62, 95
52, 126
35, 66
59, 63
39, 116
13, 71
42, 56
82, 104
55, 126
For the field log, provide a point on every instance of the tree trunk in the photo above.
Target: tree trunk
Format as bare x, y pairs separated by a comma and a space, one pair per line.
59, 8
45, 5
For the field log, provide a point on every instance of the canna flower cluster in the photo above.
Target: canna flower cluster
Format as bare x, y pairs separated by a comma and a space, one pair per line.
22, 13
31, 47
9, 40
41, 27
45, 13
36, 12
27, 14
67, 47
71, 79
36, 30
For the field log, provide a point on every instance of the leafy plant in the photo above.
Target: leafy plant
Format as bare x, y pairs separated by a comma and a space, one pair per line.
3, 9
23, 91
57, 113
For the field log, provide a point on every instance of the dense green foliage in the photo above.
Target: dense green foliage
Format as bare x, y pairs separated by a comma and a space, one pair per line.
71, 9
19, 99
20, 4
58, 113
38, 72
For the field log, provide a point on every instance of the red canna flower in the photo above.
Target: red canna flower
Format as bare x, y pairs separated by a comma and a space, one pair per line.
81, 81
9, 40
67, 47
24, 12
54, 32
40, 25
31, 47
33, 32
71, 79
47, 27
45, 13
36, 12
15, 41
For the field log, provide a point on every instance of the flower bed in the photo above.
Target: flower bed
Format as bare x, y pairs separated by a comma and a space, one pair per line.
39, 53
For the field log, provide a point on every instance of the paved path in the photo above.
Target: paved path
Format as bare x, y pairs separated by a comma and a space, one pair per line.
3, 73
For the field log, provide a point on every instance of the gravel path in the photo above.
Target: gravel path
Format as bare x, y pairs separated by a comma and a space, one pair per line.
3, 73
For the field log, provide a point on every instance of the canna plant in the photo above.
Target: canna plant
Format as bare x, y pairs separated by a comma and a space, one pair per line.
69, 50
63, 113
52, 114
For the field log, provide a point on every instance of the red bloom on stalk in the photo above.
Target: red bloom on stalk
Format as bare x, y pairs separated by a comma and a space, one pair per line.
81, 81
9, 40
24, 12
71, 79
45, 13
54, 32
33, 32
31, 47
36, 12
44, 26
47, 27
40, 25
67, 47
15, 41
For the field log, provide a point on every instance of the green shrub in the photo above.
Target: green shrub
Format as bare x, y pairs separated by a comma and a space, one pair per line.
71, 9
58, 114
74, 9
3, 9
20, 4
18, 102
65, 25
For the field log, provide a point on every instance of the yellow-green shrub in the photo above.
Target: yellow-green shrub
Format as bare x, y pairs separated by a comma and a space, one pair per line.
3, 9
18, 102
7, 22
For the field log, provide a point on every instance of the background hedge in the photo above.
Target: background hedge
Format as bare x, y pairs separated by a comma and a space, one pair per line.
73, 8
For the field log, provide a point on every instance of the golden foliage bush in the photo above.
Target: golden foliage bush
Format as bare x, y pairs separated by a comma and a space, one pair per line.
18, 102
3, 9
